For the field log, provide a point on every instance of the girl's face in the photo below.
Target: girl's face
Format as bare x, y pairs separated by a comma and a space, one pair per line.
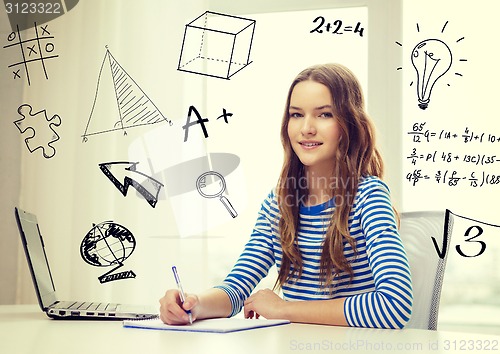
313, 130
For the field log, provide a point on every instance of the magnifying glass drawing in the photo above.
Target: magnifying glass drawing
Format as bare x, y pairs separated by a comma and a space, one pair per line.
211, 184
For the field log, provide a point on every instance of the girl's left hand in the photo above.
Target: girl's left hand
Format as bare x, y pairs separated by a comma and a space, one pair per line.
264, 303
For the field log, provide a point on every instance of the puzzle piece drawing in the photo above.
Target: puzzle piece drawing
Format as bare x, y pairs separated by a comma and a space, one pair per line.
40, 133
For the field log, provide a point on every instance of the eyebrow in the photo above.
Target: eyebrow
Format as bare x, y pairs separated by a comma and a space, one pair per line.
316, 108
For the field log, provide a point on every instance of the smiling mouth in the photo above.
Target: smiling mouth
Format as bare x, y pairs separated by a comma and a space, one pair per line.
310, 144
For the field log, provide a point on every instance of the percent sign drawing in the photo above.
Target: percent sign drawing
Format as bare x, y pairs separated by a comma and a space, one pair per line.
33, 50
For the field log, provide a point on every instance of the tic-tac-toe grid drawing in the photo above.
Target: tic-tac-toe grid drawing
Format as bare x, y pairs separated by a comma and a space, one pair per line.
34, 51
216, 45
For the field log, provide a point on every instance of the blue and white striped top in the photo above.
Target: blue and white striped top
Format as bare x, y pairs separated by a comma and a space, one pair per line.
380, 294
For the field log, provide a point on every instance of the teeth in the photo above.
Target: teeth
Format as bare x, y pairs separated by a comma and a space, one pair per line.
311, 144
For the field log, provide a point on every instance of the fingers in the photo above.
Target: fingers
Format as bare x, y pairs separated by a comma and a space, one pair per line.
250, 314
172, 311
190, 303
249, 309
257, 304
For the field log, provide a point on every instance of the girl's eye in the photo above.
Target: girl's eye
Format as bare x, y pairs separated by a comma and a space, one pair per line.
294, 115
326, 115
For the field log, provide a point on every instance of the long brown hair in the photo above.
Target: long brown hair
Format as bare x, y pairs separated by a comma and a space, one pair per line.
356, 156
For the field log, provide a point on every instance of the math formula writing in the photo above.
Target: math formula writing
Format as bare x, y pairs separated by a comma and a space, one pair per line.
473, 243
335, 27
453, 157
453, 178
421, 134
449, 156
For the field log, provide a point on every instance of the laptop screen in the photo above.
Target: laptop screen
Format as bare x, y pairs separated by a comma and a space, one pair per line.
36, 257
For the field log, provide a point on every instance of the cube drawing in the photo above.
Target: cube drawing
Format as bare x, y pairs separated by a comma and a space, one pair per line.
216, 45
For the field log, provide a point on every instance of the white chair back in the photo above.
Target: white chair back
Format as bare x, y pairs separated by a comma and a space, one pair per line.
423, 233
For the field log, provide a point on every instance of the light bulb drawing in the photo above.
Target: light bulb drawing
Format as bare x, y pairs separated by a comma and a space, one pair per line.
431, 59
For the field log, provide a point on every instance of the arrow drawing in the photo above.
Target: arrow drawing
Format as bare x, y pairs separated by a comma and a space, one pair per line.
149, 188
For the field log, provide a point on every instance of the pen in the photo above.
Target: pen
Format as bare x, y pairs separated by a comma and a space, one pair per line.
181, 292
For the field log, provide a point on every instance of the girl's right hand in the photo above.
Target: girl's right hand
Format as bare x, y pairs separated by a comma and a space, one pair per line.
173, 311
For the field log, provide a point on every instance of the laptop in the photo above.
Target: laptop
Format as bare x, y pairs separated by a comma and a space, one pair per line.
34, 249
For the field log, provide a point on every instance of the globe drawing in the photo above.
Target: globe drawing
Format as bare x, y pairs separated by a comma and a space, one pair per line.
107, 244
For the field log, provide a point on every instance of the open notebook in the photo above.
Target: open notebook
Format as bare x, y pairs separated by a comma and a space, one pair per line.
215, 325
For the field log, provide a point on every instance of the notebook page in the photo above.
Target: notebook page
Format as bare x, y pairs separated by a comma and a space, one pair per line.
215, 325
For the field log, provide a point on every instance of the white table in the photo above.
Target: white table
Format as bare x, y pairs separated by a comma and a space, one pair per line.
25, 329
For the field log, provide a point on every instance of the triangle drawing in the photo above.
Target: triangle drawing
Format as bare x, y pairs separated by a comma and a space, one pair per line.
133, 107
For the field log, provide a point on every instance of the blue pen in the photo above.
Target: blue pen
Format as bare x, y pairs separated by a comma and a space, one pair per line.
181, 292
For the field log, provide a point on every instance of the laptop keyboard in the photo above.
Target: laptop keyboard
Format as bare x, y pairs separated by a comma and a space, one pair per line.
76, 309
87, 306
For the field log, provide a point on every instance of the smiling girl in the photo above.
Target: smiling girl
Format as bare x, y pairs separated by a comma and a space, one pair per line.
328, 226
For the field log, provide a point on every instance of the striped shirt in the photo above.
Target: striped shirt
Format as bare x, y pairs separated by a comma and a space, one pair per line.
380, 293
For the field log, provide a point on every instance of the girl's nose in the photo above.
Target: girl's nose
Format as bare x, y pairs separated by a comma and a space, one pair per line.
308, 127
